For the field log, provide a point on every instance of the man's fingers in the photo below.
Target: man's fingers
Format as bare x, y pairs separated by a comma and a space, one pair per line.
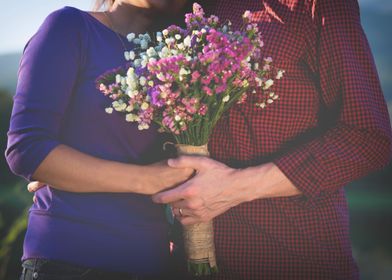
194, 162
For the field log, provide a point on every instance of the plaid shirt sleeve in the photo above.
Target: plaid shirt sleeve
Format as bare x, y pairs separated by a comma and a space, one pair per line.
358, 140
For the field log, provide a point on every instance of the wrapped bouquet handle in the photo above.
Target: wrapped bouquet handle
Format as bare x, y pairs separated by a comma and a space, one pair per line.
198, 238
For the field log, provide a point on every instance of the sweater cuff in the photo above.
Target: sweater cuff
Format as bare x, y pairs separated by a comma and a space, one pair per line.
25, 162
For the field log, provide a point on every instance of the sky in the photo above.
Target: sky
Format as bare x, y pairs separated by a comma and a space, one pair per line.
20, 20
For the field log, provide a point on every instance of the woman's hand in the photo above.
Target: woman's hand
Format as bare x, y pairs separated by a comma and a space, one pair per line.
215, 188
160, 176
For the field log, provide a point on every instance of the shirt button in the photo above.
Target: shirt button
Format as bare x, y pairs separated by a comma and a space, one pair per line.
35, 275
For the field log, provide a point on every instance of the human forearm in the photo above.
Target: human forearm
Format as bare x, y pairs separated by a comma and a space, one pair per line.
263, 181
70, 170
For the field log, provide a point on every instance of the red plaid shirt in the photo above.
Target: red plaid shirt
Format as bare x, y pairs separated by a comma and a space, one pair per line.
329, 127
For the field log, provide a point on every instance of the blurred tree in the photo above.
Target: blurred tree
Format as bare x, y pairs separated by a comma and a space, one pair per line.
6, 177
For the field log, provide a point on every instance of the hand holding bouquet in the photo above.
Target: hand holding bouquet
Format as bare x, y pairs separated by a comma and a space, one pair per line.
183, 81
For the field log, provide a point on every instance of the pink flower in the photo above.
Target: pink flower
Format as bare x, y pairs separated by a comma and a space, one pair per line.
221, 88
208, 90
195, 76
203, 110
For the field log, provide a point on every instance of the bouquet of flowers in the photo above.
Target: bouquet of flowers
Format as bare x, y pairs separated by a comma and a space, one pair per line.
184, 80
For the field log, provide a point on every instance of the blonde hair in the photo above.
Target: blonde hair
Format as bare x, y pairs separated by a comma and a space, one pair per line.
103, 4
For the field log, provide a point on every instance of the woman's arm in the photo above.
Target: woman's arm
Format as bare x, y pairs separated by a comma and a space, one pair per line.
70, 170
51, 65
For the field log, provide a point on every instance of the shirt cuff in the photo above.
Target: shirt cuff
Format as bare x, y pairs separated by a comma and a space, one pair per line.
304, 170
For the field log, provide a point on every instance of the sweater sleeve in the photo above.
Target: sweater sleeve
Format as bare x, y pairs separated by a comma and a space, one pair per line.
47, 74
356, 131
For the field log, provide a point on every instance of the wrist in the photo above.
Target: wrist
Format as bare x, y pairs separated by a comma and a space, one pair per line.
264, 181
246, 183
139, 179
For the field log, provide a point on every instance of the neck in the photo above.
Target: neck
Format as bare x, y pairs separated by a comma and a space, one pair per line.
127, 18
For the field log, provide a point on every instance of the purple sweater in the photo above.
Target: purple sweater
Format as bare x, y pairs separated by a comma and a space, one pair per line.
56, 102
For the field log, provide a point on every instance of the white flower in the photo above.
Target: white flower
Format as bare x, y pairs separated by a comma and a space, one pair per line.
130, 37
165, 32
126, 55
131, 118
177, 118
131, 83
142, 126
169, 41
152, 59
159, 36
147, 37
136, 41
129, 108
187, 41
268, 84
188, 58
245, 83
226, 98
132, 55
142, 80
137, 62
143, 44
119, 105
174, 52
203, 30
246, 14
130, 71
118, 78
151, 52
109, 110
180, 46
132, 93
183, 71
144, 106
259, 81
151, 83
256, 66
177, 36
165, 52
279, 75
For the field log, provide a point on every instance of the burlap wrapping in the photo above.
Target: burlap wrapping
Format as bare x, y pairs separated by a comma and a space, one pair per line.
198, 238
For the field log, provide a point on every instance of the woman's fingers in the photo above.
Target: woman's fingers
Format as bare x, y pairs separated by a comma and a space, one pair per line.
34, 186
